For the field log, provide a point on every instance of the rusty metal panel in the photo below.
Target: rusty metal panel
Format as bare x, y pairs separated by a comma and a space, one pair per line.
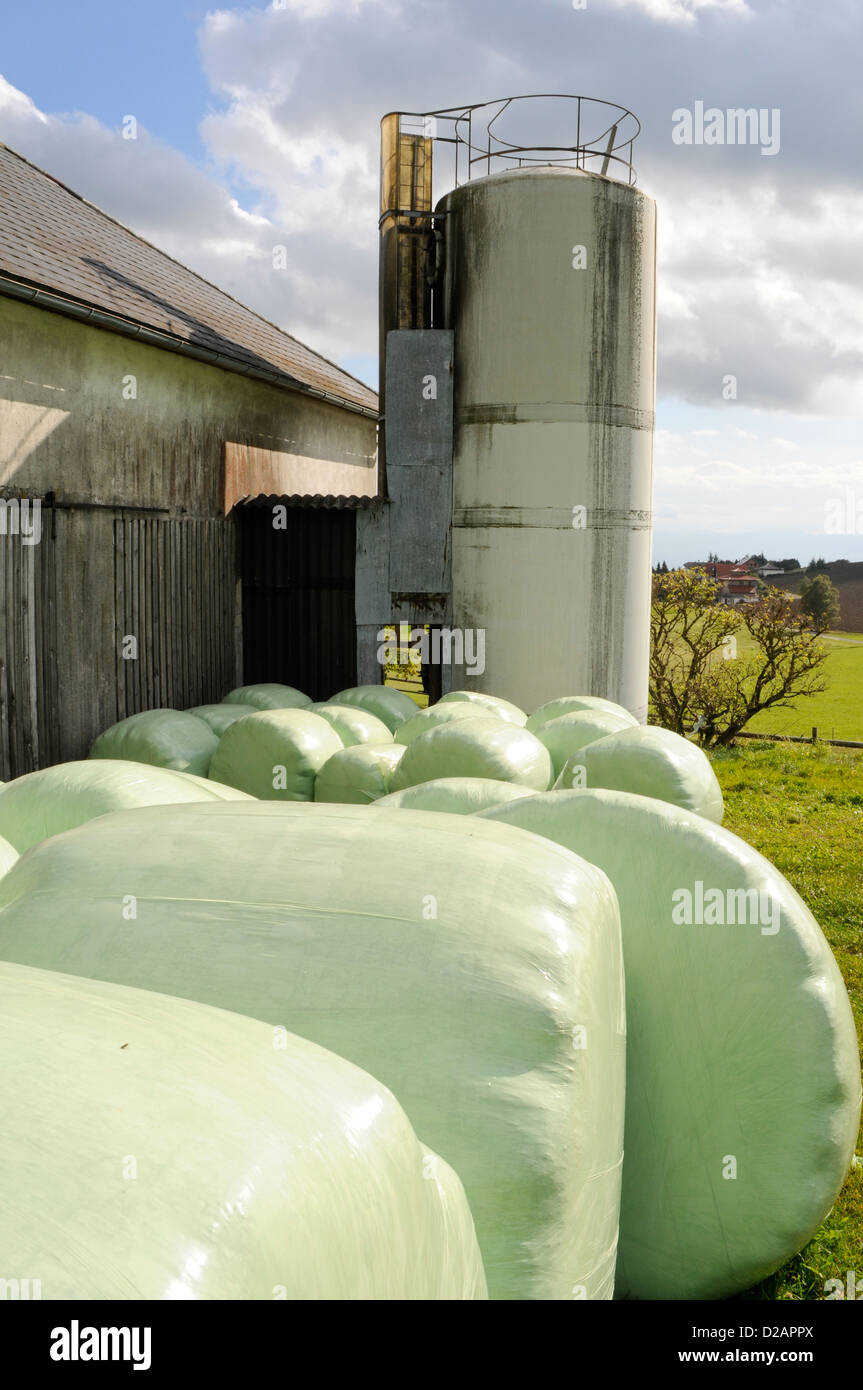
406, 201
404, 293
251, 472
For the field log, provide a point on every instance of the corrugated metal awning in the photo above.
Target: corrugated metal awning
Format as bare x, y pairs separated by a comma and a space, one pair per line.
304, 500
252, 472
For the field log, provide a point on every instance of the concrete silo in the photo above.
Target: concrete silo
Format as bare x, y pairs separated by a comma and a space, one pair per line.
541, 265
549, 290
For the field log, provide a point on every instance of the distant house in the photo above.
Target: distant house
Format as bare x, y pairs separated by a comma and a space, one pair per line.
149, 424
721, 569
740, 589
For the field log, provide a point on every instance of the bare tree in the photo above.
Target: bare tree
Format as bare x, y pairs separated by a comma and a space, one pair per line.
700, 682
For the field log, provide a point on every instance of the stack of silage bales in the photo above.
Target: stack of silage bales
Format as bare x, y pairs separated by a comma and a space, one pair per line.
444, 958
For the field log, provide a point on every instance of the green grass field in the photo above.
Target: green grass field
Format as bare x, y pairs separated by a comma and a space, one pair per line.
802, 807
838, 712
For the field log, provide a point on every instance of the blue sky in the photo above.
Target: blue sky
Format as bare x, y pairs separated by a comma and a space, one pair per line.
109, 58
257, 126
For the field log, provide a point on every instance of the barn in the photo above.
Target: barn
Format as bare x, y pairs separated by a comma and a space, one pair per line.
179, 484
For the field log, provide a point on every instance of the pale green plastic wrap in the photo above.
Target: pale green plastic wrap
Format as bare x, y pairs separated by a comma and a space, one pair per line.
473, 969
392, 707
569, 733
475, 748
275, 754
460, 796
648, 762
268, 695
168, 738
570, 704
360, 774
493, 703
219, 791
8, 854
426, 719
352, 724
743, 1077
221, 717
164, 1150
58, 798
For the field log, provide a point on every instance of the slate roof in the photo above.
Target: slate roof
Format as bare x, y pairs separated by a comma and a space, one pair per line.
53, 239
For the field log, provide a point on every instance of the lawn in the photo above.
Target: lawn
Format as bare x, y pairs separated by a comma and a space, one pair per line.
838, 712
802, 807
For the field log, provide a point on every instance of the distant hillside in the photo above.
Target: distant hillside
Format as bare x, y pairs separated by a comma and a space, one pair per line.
847, 575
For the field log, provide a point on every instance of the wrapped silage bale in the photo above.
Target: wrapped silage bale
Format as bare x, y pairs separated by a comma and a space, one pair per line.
359, 774
267, 695
460, 796
55, 799
221, 717
169, 738
504, 709
648, 761
570, 704
392, 707
8, 854
473, 969
171, 1151
275, 754
218, 791
475, 748
352, 724
569, 733
429, 718
743, 1075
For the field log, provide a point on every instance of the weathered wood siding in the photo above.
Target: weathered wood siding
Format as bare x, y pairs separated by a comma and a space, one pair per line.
19, 741
176, 594
95, 577
130, 442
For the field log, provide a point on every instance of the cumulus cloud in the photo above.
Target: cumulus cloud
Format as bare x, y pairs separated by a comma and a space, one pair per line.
259, 253
762, 286
758, 270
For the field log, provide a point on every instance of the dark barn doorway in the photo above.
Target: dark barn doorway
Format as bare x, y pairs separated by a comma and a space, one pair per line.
299, 626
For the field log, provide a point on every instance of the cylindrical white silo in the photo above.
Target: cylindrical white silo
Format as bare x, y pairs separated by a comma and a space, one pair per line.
550, 288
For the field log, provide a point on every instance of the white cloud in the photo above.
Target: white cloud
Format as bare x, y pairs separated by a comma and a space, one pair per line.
17, 106
685, 12
771, 275
758, 271
741, 491
195, 218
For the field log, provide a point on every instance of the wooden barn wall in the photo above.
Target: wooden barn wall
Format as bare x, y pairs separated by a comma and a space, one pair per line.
176, 591
137, 542
19, 583
96, 576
